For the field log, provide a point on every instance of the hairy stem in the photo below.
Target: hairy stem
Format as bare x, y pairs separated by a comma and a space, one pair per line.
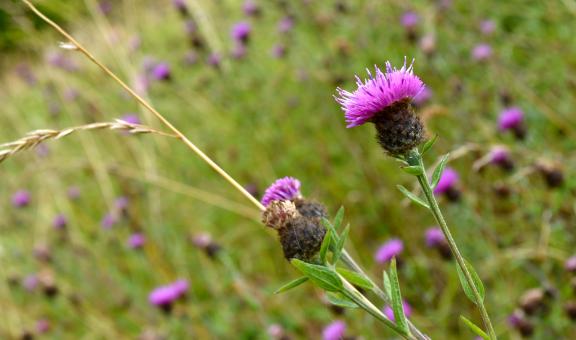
415, 159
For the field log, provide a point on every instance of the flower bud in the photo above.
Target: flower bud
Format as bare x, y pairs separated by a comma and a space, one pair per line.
301, 237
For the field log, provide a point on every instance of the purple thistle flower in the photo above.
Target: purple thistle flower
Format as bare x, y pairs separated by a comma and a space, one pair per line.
510, 118
410, 19
487, 27
190, 27
136, 241
434, 237
73, 193
275, 331
60, 60
390, 313
214, 59
60, 222
286, 24
447, 181
180, 6
481, 52
163, 296
121, 203
42, 326
570, 264
108, 221
241, 32
21, 198
287, 188
180, 287
390, 249
250, 8
30, 282
334, 331
279, 51
131, 118
422, 97
501, 156
161, 71
378, 93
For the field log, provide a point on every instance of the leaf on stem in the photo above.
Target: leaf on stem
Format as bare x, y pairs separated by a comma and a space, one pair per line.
415, 170
340, 300
439, 170
325, 245
429, 143
340, 244
397, 305
291, 284
477, 330
322, 276
355, 278
413, 197
338, 218
476, 282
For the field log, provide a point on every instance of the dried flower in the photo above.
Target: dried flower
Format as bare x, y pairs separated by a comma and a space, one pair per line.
481, 52
287, 188
334, 331
241, 32
385, 100
389, 250
21, 198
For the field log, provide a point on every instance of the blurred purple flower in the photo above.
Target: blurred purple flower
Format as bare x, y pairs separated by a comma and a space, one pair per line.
239, 51
390, 313
73, 193
287, 188
60, 222
108, 221
378, 92
499, 155
162, 296
141, 84
286, 24
161, 71
390, 249
105, 7
21, 198
136, 241
60, 60
487, 27
26, 74
121, 203
241, 32
180, 6
410, 19
275, 331
570, 264
423, 97
214, 59
334, 331
510, 118
42, 150
190, 58
447, 181
434, 237
42, 326
180, 287
250, 8
30, 282
481, 52
279, 51
131, 118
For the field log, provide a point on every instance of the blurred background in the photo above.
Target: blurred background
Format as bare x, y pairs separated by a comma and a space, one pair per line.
95, 223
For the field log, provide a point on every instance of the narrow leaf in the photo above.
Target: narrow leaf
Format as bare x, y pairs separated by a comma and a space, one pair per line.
291, 284
340, 300
415, 170
477, 282
338, 218
439, 169
397, 305
340, 245
325, 245
355, 278
386, 282
477, 330
323, 277
413, 197
429, 143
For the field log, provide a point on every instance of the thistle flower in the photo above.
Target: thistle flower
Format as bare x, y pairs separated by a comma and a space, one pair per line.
334, 331
73, 193
42, 326
105, 7
447, 184
286, 24
410, 20
30, 282
251, 8
533, 300
21, 198
385, 100
60, 222
109, 220
570, 309
279, 51
241, 32
205, 242
552, 174
570, 264
287, 188
161, 71
136, 241
518, 321
423, 97
501, 156
181, 7
390, 313
214, 60
389, 250
481, 52
276, 331
165, 296
487, 27
512, 118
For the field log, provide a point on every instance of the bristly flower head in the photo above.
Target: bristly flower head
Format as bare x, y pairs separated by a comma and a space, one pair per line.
378, 92
287, 188
510, 118
241, 31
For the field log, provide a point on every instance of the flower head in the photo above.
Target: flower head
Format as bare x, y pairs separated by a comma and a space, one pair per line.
510, 118
286, 24
164, 295
378, 92
570, 264
434, 237
241, 31
136, 240
389, 250
447, 181
161, 71
410, 19
278, 51
250, 8
334, 331
286, 188
21, 198
59, 222
487, 27
481, 52
390, 313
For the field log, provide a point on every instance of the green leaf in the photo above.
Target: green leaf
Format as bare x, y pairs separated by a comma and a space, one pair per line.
338, 218
325, 245
355, 278
387, 284
429, 143
340, 300
413, 197
291, 284
397, 306
477, 282
340, 244
322, 276
438, 171
415, 170
477, 330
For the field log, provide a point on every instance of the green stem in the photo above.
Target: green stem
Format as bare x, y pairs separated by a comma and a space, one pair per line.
350, 263
353, 294
415, 158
